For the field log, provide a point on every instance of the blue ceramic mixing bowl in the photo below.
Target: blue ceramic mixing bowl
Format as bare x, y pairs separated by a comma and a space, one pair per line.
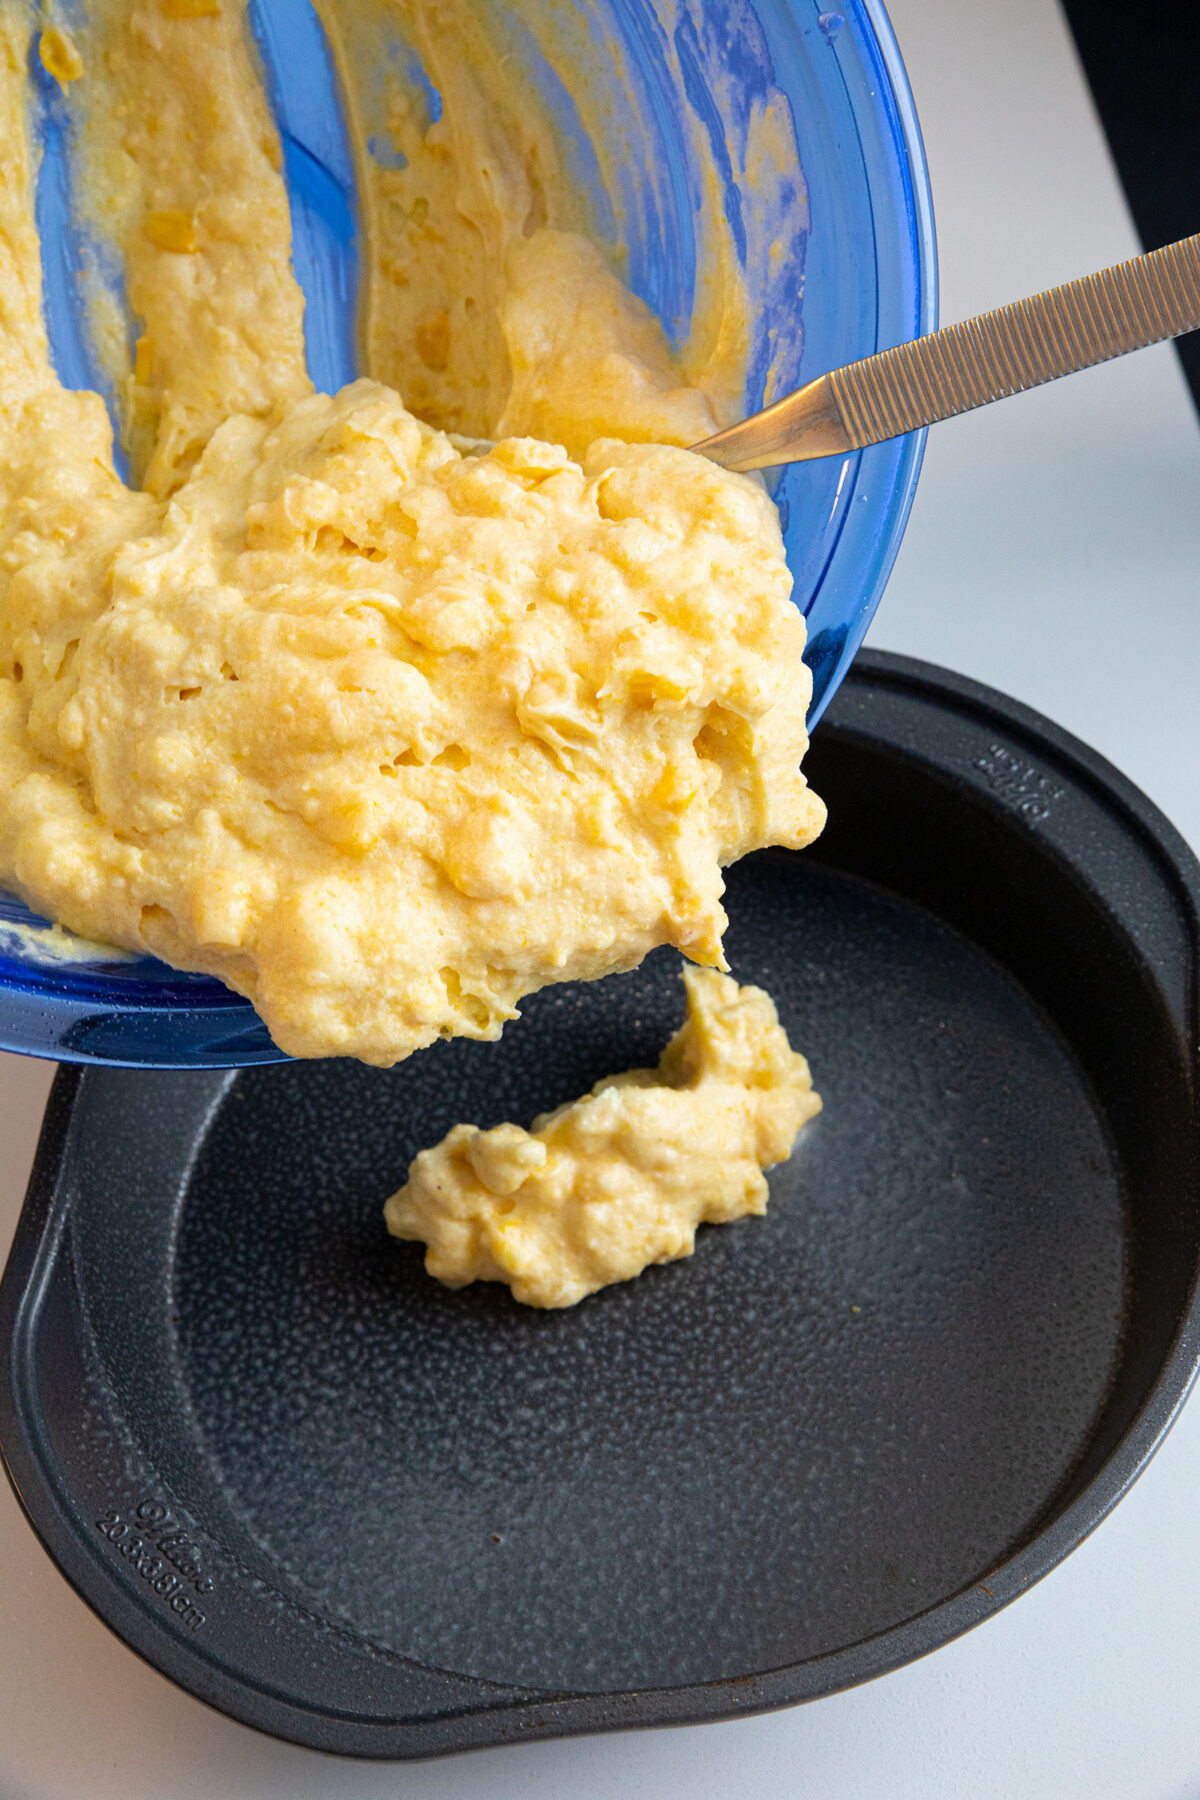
852, 270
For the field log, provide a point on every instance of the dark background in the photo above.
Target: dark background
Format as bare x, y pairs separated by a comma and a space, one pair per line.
1142, 59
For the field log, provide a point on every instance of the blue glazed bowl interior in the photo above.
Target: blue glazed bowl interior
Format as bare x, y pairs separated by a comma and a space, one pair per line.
856, 274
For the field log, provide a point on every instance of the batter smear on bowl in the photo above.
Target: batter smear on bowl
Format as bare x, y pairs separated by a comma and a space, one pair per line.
382, 735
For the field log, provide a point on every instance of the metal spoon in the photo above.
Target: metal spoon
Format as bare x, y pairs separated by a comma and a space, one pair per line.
983, 359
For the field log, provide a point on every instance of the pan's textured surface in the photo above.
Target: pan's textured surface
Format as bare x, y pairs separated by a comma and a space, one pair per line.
360, 1510
733, 1462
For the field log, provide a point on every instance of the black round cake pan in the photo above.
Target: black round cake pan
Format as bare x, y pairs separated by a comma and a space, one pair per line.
368, 1514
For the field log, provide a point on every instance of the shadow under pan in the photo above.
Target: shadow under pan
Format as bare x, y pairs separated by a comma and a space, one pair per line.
827, 1442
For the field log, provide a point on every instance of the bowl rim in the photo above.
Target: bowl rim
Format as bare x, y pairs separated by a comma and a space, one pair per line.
906, 455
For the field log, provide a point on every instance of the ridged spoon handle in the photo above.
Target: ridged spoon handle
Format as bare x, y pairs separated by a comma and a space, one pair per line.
983, 359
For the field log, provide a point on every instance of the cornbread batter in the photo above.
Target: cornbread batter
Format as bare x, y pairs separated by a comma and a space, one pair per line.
620, 1179
383, 736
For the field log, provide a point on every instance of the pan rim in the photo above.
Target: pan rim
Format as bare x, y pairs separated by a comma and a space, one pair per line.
511, 1714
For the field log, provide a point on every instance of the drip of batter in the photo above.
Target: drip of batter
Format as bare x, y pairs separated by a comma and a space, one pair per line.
602, 1188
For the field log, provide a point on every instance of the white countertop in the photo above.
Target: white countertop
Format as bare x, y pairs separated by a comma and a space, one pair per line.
1055, 552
